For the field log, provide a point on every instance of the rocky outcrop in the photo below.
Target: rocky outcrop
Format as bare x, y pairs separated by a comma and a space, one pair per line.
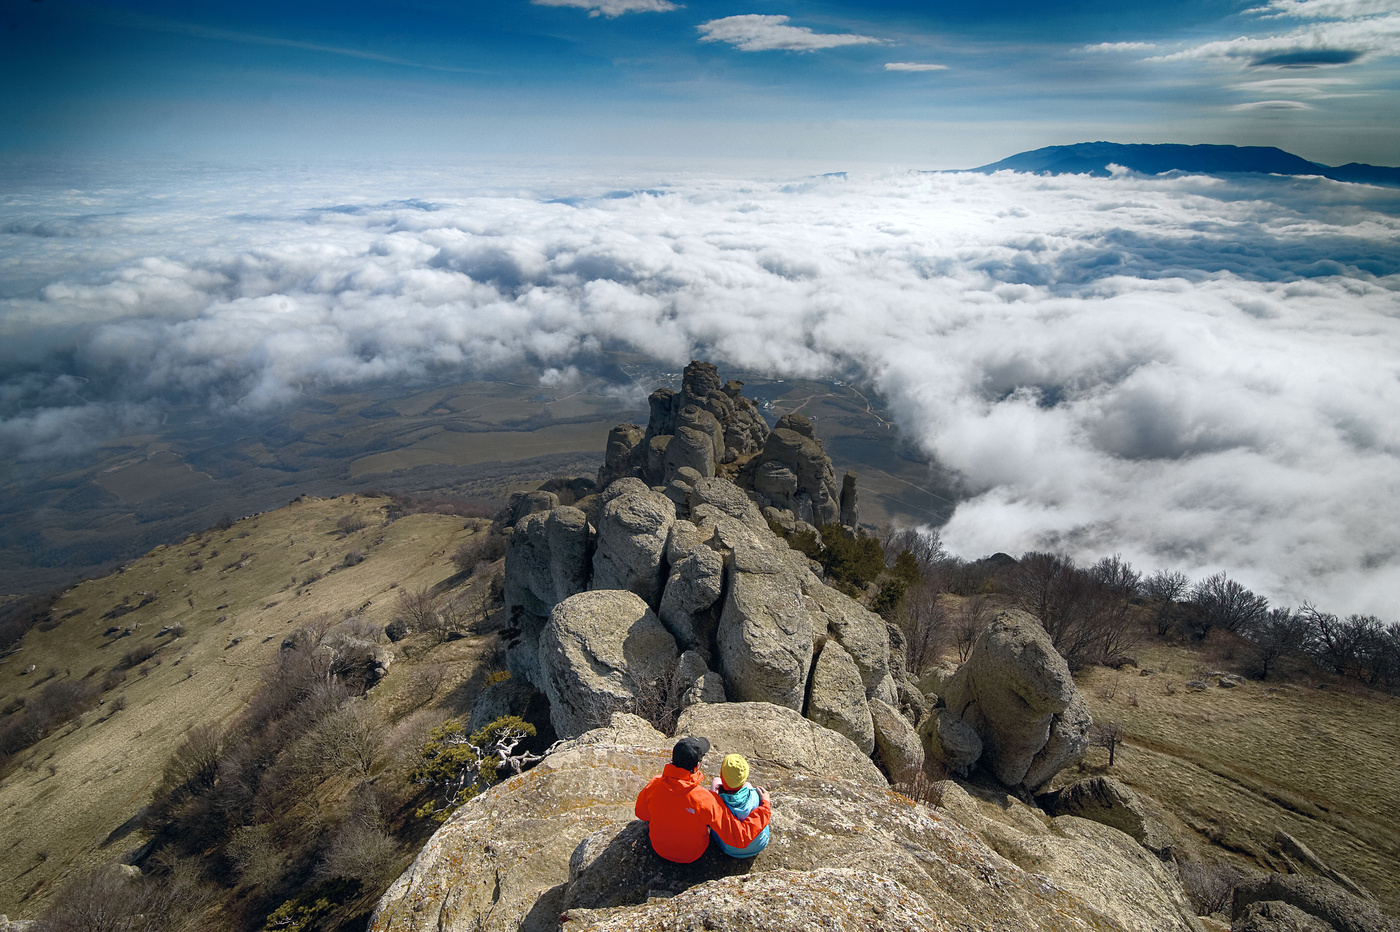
793, 473
1277, 916
1015, 691
777, 736
561, 840
1320, 898
836, 697
632, 533
694, 682
951, 742
601, 652
846, 900
900, 749
1107, 801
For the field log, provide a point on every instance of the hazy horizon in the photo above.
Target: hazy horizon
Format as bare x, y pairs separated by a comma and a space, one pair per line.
211, 210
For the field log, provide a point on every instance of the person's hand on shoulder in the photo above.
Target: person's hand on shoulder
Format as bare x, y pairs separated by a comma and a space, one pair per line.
762, 794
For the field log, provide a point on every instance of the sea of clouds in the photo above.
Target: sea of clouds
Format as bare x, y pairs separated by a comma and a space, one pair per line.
1197, 373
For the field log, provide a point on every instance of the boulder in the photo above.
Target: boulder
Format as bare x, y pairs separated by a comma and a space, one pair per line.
632, 532
1107, 801
694, 682
1069, 739
836, 697
1010, 691
792, 473
1324, 899
692, 587
603, 651
528, 503
765, 633
509, 696
625, 454
850, 506
561, 839
730, 499
898, 743
1277, 916
949, 741
777, 736
863, 634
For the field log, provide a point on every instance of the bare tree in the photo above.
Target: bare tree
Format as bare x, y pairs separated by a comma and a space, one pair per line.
417, 608
1166, 588
1278, 633
1108, 735
927, 625
971, 619
1224, 603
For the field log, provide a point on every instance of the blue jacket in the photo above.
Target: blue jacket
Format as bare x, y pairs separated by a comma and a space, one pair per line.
741, 802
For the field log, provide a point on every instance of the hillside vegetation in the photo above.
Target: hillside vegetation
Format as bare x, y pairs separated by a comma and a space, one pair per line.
271, 786
176, 644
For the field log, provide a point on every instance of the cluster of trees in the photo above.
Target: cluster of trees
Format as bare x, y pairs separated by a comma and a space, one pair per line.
1098, 613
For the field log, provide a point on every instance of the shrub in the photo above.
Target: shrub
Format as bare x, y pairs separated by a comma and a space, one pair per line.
481, 549
353, 558
459, 766
349, 524
1210, 887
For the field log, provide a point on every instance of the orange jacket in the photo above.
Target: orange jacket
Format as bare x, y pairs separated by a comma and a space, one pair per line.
681, 809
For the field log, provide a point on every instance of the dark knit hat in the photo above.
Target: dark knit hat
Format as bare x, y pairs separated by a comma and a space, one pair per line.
689, 751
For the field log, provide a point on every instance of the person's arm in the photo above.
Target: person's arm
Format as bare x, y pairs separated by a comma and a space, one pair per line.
735, 832
643, 809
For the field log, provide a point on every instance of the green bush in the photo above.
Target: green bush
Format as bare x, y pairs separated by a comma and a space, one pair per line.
459, 766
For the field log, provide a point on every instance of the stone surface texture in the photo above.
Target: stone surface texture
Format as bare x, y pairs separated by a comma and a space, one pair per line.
601, 652
560, 839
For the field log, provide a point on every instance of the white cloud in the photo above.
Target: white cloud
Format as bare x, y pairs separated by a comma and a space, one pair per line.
1327, 9
613, 8
1273, 105
1341, 42
1198, 373
753, 32
1119, 47
913, 66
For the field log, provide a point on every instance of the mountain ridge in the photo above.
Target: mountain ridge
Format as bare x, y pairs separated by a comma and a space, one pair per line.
1093, 158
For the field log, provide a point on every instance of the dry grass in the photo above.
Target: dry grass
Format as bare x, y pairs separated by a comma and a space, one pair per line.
1235, 765
65, 801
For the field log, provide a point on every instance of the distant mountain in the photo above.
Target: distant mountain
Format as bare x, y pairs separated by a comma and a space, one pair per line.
1093, 158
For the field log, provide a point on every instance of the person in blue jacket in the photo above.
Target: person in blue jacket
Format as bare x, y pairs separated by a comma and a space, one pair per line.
734, 791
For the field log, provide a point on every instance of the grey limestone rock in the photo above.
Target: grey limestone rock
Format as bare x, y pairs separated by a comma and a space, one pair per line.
694, 682
1278, 916
774, 901
730, 499
599, 653
765, 634
517, 856
949, 741
528, 503
850, 505
692, 587
1069, 739
898, 743
1009, 691
836, 697
1317, 897
632, 532
777, 736
509, 696
1107, 801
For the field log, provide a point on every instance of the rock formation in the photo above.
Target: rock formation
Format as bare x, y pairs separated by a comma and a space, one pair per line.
1016, 693
560, 841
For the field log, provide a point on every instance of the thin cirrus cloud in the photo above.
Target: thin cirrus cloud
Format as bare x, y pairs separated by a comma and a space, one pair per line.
754, 32
613, 8
1119, 47
1197, 373
913, 66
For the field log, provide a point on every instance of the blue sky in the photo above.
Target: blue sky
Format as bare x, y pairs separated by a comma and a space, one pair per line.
900, 83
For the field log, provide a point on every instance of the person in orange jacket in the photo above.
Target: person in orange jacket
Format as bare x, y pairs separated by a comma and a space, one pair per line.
681, 809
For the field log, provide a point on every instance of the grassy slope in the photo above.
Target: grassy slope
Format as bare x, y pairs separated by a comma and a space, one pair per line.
64, 804
1235, 765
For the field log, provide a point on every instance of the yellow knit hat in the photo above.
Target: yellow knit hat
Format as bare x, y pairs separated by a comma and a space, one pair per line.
734, 771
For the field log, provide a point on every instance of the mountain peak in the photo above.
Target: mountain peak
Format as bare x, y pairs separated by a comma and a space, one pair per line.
1093, 158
